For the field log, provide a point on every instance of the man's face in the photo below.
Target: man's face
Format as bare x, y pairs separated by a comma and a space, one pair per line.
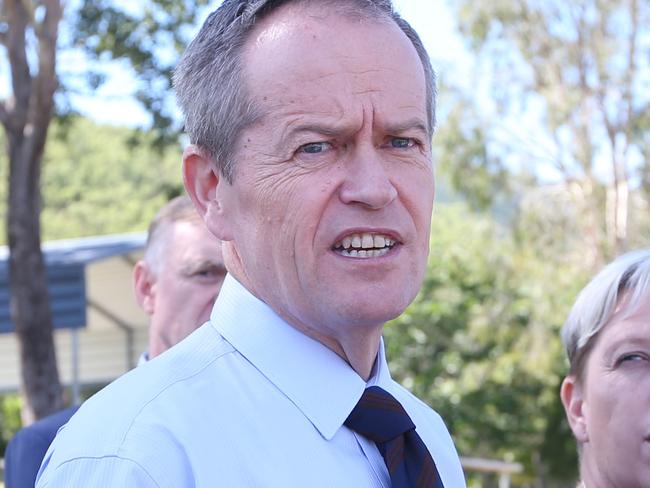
179, 297
331, 202
615, 405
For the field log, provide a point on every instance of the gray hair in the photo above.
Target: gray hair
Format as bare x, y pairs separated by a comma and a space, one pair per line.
628, 275
179, 209
209, 77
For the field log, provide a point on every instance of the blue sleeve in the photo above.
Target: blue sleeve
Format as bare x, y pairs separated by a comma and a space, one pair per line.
28, 447
23, 458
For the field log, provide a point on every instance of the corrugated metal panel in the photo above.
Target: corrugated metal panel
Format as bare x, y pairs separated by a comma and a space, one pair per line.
104, 348
65, 261
66, 285
85, 249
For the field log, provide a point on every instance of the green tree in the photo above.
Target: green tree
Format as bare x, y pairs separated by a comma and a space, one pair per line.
96, 182
566, 85
143, 37
481, 343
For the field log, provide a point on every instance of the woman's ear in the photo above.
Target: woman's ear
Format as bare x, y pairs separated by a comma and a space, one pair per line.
203, 183
571, 393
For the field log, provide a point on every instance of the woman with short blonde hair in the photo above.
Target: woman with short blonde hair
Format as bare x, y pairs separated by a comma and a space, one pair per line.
606, 394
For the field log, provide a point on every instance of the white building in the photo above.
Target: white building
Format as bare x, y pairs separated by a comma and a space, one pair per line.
100, 331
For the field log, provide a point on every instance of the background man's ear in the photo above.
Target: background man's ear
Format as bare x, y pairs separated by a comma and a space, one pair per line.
202, 181
143, 285
571, 393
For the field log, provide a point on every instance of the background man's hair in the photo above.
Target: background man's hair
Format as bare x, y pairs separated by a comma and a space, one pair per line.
179, 209
209, 81
629, 277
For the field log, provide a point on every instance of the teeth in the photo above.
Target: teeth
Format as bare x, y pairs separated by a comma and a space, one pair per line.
364, 245
365, 254
367, 241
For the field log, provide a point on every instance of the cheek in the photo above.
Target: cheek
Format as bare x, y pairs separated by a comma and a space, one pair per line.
417, 195
289, 216
418, 181
267, 206
608, 410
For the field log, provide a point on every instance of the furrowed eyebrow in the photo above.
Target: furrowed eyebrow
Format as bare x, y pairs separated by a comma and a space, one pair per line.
292, 132
401, 127
326, 130
335, 131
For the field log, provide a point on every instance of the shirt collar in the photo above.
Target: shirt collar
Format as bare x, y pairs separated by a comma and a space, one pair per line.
319, 382
144, 357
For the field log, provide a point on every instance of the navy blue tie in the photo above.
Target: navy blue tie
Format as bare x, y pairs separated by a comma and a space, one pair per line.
382, 419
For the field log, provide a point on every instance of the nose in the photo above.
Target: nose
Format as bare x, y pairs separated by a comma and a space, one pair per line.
367, 182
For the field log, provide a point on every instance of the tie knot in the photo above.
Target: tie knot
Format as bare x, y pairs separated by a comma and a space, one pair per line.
378, 416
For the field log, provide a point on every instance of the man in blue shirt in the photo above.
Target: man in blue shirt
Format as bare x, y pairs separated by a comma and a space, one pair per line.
181, 265
310, 124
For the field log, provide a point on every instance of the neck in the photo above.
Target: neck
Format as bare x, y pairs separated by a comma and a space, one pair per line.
358, 346
591, 475
359, 351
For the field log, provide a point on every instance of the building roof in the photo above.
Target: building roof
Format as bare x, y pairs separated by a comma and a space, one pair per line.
65, 262
84, 250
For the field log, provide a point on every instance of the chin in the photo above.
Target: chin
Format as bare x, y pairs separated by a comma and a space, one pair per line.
373, 312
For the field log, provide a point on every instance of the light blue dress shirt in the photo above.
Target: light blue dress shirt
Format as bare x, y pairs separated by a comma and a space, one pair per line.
245, 401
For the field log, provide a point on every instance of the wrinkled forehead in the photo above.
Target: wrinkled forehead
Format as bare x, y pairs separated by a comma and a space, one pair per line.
312, 30
322, 54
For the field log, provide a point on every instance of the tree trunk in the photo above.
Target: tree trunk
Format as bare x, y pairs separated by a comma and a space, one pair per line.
30, 307
26, 120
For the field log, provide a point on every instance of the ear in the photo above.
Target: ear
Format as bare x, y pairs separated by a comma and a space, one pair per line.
143, 285
205, 185
572, 395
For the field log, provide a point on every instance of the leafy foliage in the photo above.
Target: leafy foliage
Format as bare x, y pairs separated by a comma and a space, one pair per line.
97, 168
462, 154
96, 182
149, 36
9, 418
481, 343
565, 80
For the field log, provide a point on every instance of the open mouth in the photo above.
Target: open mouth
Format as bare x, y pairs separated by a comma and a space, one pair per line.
364, 245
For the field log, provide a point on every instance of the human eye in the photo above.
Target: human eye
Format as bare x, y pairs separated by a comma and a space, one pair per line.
315, 147
632, 357
401, 142
207, 273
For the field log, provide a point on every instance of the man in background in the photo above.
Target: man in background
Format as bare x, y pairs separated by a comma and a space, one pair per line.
176, 284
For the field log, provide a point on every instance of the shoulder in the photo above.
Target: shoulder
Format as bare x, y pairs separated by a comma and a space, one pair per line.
44, 430
138, 410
